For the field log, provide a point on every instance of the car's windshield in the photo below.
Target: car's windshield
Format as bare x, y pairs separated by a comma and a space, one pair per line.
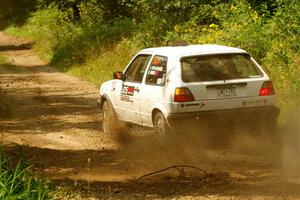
218, 67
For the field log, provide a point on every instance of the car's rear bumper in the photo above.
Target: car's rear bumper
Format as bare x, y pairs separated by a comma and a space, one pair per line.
245, 114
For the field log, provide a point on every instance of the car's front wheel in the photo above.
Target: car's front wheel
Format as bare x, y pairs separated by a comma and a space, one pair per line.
110, 123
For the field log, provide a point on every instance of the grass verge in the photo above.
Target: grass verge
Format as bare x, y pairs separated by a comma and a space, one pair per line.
17, 181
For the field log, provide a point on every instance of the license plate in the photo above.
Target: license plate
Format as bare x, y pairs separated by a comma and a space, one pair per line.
226, 92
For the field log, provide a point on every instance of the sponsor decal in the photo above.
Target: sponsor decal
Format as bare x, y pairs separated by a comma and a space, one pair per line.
126, 98
127, 92
156, 61
154, 68
154, 72
159, 81
130, 91
113, 86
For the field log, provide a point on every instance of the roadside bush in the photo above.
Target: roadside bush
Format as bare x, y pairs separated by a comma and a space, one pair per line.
48, 28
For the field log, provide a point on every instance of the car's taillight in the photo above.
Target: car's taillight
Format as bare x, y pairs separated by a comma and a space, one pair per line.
183, 95
267, 89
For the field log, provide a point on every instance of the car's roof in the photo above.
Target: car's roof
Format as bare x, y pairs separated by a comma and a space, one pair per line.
191, 50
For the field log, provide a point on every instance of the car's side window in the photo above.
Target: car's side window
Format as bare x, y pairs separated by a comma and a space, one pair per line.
135, 72
156, 74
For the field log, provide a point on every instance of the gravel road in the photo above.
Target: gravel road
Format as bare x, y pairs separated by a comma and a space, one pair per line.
52, 119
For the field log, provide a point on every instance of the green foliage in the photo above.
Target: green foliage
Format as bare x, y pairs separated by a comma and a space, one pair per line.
108, 33
15, 12
17, 182
100, 68
47, 27
273, 41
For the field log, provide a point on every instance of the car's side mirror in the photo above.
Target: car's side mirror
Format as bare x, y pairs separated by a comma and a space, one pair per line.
118, 75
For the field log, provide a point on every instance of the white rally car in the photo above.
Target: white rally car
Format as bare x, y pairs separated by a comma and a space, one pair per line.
168, 87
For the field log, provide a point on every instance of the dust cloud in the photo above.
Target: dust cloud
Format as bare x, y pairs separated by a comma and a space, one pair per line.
291, 145
145, 151
214, 148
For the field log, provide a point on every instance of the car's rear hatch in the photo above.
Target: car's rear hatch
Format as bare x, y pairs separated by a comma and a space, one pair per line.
222, 81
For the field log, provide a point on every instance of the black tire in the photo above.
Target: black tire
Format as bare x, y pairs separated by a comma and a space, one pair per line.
161, 126
110, 123
116, 130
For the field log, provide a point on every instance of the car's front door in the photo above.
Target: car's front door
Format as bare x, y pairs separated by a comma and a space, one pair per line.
131, 86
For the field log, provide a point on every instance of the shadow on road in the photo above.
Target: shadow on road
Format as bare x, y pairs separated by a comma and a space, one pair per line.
34, 100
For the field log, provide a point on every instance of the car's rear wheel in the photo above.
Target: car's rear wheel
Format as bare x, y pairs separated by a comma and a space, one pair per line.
161, 126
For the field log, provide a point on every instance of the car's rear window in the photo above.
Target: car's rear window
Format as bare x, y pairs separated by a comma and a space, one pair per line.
218, 67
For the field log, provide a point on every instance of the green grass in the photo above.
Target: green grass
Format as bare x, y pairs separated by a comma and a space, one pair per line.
17, 180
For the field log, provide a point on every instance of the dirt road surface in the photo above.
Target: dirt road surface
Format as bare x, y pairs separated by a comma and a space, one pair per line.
52, 119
